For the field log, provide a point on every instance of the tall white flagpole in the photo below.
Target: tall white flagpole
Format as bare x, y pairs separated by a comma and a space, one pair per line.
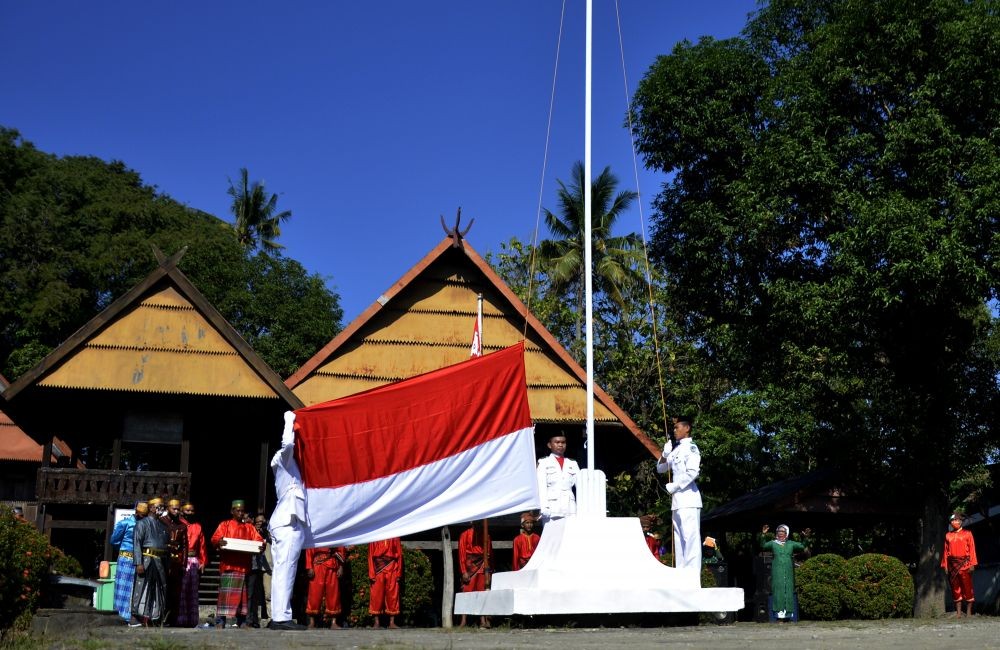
587, 258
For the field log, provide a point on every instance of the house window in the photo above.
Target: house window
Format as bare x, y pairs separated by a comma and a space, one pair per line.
152, 441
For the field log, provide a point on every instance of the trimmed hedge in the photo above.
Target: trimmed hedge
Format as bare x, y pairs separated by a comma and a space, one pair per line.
820, 585
416, 590
878, 586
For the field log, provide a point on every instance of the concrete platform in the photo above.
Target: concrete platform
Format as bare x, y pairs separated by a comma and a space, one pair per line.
595, 565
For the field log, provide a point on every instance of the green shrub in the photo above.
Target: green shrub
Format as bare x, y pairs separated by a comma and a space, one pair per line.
878, 586
416, 590
26, 560
820, 585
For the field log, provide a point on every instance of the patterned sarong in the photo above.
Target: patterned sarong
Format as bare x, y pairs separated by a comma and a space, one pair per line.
124, 579
187, 615
232, 594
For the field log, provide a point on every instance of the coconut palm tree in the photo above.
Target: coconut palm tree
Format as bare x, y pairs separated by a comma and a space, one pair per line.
257, 222
616, 258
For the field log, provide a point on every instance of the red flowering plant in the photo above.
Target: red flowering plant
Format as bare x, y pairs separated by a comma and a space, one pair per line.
26, 559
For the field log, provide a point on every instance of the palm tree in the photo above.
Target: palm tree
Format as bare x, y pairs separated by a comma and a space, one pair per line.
258, 223
615, 258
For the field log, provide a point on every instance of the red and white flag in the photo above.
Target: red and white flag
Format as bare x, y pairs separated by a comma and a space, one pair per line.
449, 446
477, 341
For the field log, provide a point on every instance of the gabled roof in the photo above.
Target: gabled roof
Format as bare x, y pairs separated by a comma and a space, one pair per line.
817, 493
163, 337
17, 445
425, 322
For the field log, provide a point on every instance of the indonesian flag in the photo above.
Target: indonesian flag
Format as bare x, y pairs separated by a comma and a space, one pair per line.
449, 446
477, 341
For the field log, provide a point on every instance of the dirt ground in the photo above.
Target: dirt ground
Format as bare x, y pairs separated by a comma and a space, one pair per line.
909, 634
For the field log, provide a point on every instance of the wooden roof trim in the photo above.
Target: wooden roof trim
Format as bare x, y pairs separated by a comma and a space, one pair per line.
345, 334
536, 326
166, 270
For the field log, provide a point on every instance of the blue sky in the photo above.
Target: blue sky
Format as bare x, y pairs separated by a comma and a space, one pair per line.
369, 119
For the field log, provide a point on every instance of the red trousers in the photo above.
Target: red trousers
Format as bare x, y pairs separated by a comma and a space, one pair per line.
324, 584
961, 585
477, 582
385, 592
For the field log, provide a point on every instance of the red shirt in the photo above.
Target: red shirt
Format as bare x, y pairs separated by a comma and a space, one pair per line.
196, 542
234, 560
959, 543
383, 551
524, 548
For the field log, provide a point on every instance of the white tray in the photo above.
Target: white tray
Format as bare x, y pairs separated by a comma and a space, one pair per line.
241, 545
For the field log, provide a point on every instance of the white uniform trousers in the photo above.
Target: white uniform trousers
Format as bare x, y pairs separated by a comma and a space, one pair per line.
687, 538
286, 546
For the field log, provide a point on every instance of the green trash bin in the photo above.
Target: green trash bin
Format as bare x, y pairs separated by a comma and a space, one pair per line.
104, 597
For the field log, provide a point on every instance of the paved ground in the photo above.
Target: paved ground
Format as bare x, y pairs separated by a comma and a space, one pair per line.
977, 632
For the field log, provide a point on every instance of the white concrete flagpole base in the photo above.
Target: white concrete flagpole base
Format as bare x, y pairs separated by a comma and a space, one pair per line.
593, 565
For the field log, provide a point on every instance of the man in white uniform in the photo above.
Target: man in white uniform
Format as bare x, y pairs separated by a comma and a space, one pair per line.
556, 479
684, 462
287, 528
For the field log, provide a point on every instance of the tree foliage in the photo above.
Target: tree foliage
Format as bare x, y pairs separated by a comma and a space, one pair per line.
829, 231
614, 257
76, 233
257, 219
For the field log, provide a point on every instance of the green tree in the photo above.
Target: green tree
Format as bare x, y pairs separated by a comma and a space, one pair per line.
257, 220
76, 233
615, 259
829, 232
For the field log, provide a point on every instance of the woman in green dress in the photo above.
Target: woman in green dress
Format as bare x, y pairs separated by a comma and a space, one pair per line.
782, 571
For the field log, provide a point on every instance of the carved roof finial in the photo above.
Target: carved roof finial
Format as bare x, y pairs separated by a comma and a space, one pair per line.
457, 235
167, 262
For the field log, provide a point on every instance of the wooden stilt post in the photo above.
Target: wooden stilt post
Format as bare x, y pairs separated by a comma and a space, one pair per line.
448, 585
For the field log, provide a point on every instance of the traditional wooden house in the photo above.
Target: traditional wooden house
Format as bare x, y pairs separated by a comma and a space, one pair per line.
156, 395
425, 321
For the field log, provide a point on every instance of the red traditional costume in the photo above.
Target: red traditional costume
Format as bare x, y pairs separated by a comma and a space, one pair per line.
524, 547
959, 559
385, 568
233, 567
654, 545
471, 559
197, 557
325, 564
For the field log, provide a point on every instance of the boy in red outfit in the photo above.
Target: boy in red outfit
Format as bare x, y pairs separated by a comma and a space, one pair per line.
526, 542
959, 560
385, 569
324, 567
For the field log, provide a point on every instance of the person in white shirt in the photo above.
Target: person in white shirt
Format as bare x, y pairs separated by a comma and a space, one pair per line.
684, 463
287, 528
556, 480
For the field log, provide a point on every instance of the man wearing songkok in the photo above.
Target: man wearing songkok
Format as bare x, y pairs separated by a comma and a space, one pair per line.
385, 569
475, 561
196, 561
123, 536
287, 528
233, 565
526, 542
556, 480
684, 463
149, 545
324, 568
959, 560
177, 561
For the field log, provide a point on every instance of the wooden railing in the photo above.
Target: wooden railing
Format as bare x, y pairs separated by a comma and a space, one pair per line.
107, 487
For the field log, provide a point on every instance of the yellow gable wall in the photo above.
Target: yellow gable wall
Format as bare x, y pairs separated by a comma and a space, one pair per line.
429, 326
162, 345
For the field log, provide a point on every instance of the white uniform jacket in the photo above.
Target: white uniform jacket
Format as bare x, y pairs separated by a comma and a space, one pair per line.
288, 486
684, 461
555, 486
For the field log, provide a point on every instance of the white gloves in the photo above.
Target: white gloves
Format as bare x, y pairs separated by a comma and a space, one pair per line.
288, 434
667, 447
672, 488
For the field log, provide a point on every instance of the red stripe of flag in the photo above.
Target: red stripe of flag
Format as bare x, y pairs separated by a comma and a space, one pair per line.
401, 426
